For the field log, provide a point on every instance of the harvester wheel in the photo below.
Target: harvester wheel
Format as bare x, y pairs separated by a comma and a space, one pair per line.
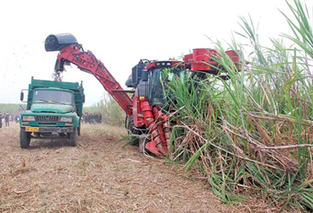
131, 130
73, 137
142, 142
24, 139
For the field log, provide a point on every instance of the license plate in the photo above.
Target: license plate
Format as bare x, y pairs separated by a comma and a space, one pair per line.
31, 129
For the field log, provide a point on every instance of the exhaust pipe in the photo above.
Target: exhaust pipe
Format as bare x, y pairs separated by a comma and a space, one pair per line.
57, 41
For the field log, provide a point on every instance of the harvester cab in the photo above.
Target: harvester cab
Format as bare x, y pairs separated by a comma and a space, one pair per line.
145, 79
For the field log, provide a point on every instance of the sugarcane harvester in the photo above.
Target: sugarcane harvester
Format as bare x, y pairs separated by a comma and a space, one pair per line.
143, 106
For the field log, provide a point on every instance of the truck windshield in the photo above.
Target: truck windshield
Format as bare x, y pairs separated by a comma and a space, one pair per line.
53, 96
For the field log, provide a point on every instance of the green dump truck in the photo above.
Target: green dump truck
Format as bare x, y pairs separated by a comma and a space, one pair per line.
54, 109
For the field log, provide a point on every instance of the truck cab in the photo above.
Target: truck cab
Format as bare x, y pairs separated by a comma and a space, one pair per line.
53, 110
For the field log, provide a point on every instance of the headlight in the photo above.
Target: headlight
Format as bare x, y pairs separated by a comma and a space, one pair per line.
28, 118
66, 119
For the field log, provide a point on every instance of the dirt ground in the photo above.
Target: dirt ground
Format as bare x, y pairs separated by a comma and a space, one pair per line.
99, 175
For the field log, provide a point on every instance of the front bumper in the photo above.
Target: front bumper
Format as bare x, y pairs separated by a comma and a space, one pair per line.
50, 129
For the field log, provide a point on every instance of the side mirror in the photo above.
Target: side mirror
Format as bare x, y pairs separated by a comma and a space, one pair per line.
144, 75
22, 96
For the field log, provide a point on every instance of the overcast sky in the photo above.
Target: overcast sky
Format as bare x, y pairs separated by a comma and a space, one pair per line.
119, 33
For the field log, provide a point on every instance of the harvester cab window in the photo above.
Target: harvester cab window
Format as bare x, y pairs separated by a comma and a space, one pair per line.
157, 91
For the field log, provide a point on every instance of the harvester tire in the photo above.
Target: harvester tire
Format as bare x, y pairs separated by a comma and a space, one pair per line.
142, 143
24, 139
131, 130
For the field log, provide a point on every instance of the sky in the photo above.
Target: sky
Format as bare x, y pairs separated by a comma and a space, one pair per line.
119, 33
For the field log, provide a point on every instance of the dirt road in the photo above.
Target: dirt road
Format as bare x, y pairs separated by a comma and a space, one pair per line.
98, 175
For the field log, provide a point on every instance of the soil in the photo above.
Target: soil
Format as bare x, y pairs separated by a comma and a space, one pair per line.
98, 175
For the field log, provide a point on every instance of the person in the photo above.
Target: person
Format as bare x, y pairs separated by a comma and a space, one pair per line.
16, 118
7, 119
0, 119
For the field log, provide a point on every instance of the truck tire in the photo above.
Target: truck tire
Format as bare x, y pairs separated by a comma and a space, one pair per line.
78, 128
73, 137
24, 139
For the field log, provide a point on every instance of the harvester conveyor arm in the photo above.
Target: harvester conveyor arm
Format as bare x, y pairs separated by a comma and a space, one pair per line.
87, 62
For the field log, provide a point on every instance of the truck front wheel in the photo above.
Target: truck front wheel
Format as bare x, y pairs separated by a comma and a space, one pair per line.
73, 137
24, 139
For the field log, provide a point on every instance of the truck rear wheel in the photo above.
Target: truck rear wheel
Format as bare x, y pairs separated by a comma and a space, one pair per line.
78, 128
73, 137
24, 139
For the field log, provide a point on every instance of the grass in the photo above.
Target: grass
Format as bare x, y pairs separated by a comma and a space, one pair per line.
252, 133
12, 108
111, 112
